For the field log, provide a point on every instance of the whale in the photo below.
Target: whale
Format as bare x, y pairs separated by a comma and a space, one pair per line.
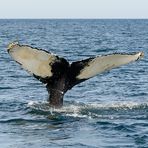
58, 74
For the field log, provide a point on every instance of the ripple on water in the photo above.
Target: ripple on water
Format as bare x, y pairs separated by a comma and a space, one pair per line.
92, 110
114, 112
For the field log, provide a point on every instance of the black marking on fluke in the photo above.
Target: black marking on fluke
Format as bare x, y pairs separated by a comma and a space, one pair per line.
64, 75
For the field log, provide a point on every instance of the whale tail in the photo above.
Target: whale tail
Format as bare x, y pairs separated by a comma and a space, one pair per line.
58, 74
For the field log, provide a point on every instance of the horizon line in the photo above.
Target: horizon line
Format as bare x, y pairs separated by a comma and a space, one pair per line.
68, 18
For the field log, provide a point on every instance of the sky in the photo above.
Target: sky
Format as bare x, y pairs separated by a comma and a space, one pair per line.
73, 9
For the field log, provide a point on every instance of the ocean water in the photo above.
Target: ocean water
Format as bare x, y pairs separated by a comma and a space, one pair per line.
107, 111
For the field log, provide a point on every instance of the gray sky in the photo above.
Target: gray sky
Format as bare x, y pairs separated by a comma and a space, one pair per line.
73, 8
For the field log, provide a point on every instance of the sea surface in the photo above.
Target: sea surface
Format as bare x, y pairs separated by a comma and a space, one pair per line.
107, 111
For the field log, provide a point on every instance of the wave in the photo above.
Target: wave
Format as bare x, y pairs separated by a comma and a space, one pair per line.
92, 110
23, 121
72, 110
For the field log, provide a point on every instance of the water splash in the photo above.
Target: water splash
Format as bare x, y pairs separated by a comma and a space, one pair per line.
92, 110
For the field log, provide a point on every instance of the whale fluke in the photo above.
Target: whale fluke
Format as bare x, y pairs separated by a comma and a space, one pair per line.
58, 74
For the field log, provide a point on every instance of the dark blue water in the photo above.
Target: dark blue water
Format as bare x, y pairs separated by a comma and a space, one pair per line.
109, 110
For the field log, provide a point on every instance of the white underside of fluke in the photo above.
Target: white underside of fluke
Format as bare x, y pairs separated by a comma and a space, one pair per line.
33, 60
105, 63
39, 62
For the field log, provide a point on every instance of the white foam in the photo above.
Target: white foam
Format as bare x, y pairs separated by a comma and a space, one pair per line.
118, 105
85, 111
